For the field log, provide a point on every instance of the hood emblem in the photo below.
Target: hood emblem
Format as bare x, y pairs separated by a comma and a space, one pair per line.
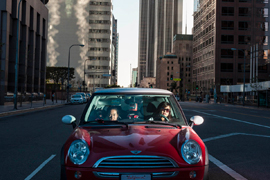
136, 152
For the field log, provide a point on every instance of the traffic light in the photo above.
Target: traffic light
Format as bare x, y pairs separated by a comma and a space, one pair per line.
171, 77
151, 85
197, 87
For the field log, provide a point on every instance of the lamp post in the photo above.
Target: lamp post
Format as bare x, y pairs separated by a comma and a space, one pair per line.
234, 49
16, 60
84, 74
68, 67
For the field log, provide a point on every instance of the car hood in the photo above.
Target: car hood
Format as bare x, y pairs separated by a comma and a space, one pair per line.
136, 140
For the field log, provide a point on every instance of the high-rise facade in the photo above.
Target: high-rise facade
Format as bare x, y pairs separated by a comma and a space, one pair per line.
31, 42
87, 22
159, 22
220, 26
114, 67
100, 43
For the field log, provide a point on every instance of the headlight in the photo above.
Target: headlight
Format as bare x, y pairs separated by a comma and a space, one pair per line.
191, 152
78, 151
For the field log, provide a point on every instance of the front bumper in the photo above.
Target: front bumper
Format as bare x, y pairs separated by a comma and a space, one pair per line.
113, 174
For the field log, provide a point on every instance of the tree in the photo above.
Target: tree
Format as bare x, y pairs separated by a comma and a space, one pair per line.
57, 73
113, 86
174, 86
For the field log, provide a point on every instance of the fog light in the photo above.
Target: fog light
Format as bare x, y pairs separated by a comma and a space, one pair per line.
78, 174
192, 174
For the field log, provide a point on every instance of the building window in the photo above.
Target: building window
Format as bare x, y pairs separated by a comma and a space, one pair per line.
226, 67
244, 11
226, 53
227, 11
227, 39
262, 12
244, 39
243, 25
241, 67
226, 81
227, 25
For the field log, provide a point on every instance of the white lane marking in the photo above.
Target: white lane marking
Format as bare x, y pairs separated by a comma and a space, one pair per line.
225, 168
255, 124
39, 167
233, 134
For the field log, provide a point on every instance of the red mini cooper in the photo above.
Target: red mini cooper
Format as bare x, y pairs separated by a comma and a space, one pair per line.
134, 134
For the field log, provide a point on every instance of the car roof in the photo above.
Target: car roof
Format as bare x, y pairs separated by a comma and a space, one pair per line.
134, 90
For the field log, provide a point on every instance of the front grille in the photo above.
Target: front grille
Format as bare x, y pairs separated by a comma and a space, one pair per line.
117, 174
131, 162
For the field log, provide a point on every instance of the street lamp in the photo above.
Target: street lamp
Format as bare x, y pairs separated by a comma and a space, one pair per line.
84, 74
16, 61
68, 68
234, 49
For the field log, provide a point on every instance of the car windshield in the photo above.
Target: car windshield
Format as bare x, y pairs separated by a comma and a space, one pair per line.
81, 94
76, 96
134, 108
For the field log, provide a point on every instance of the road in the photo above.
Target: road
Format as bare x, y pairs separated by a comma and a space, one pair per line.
237, 140
29, 139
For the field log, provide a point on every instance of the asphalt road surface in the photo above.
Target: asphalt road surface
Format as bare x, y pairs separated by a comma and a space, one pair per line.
237, 139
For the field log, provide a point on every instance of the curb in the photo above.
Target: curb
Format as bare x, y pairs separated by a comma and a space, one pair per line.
14, 112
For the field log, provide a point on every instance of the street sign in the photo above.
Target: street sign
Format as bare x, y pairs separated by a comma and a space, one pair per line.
177, 79
106, 75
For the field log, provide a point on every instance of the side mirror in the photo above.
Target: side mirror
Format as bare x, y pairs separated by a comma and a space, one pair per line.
196, 120
69, 119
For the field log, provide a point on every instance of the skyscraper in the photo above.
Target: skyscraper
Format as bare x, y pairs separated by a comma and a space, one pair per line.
220, 26
87, 22
159, 22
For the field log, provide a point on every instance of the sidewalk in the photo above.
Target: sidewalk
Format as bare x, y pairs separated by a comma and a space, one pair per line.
8, 108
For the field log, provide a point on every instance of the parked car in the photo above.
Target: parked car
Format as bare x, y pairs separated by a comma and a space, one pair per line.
140, 143
77, 98
83, 95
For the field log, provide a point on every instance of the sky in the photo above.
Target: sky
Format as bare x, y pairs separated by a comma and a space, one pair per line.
127, 14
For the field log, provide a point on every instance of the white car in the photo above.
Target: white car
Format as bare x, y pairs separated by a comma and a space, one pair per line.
77, 98
83, 95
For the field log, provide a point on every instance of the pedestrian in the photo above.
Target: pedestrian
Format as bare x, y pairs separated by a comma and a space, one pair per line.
52, 97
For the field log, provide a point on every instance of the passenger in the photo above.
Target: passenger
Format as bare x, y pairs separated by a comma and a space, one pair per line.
164, 108
114, 115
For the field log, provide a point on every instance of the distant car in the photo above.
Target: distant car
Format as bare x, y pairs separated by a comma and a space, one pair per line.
83, 95
76, 99
124, 134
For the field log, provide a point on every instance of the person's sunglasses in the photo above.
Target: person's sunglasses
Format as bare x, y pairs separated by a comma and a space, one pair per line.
166, 110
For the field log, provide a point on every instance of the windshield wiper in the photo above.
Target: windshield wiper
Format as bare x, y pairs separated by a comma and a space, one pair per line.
156, 122
108, 122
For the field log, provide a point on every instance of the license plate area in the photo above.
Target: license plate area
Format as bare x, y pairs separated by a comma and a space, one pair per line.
135, 177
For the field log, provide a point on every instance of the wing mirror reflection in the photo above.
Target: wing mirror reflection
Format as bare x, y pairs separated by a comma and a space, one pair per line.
69, 119
195, 120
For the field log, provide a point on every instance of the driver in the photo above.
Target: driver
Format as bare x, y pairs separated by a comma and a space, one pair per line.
114, 116
164, 109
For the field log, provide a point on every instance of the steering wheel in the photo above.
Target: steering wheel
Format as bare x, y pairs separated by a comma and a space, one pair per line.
166, 119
